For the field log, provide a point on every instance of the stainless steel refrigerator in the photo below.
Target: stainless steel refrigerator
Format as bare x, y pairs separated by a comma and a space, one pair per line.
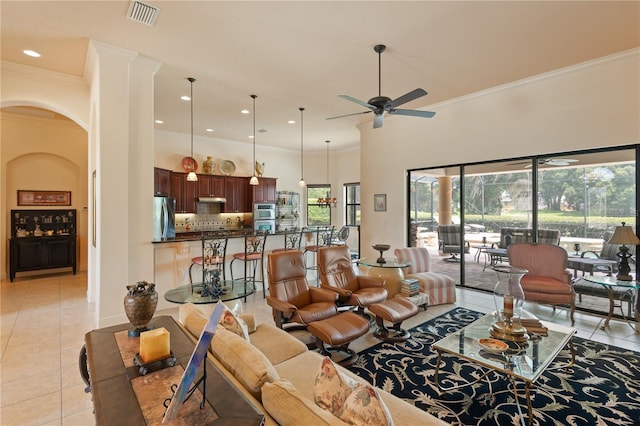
164, 218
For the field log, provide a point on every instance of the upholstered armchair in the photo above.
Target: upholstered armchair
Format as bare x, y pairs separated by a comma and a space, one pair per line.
337, 275
449, 242
548, 280
291, 298
441, 288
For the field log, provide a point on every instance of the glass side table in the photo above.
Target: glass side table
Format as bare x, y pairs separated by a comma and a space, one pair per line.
610, 283
391, 272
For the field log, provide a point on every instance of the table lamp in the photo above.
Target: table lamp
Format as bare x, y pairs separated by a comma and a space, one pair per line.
624, 235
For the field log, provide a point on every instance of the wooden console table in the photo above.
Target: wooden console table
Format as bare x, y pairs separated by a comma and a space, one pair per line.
114, 398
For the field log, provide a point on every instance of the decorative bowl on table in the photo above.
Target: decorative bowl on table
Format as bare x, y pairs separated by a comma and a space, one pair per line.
381, 248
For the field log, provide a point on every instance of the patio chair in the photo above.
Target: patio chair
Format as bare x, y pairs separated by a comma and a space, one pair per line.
449, 242
548, 280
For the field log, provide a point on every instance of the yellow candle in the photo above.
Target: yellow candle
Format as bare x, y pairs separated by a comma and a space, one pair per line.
508, 305
154, 345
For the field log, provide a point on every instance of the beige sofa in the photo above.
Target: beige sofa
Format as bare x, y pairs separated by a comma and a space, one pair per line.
276, 371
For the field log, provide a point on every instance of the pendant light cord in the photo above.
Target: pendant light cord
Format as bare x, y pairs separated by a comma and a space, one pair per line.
254, 130
301, 144
191, 80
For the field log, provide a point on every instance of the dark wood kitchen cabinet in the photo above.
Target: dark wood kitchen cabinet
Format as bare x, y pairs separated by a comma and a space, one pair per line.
185, 193
265, 191
35, 253
237, 195
210, 186
161, 181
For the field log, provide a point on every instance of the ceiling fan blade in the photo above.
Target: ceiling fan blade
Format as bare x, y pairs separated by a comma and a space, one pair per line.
408, 97
348, 115
378, 120
413, 112
357, 101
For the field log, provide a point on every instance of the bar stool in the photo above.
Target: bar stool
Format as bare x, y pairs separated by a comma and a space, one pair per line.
214, 250
253, 253
292, 240
323, 237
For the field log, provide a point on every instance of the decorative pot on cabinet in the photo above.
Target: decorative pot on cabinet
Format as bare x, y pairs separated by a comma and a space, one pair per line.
208, 165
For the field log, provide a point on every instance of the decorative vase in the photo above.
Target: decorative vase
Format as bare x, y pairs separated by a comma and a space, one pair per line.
508, 297
259, 169
208, 165
140, 304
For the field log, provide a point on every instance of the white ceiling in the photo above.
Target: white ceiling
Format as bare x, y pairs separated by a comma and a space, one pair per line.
304, 53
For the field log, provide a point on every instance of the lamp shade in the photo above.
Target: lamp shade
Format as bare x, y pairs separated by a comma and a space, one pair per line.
624, 235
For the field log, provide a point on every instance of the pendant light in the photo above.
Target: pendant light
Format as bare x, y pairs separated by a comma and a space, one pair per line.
192, 177
328, 201
302, 183
254, 178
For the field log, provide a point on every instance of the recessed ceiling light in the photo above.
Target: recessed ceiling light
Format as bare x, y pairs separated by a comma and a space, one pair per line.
31, 53
159, 122
291, 122
244, 111
185, 98
209, 130
250, 136
262, 131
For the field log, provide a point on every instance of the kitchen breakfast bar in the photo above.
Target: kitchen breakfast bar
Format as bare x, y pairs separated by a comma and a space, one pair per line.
173, 256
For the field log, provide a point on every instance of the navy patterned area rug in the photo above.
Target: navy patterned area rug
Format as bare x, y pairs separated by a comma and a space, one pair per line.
602, 387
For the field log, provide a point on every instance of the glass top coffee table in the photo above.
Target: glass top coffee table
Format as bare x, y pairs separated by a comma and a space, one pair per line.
525, 362
192, 293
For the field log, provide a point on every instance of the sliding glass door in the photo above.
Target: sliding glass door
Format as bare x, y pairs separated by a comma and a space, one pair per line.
575, 200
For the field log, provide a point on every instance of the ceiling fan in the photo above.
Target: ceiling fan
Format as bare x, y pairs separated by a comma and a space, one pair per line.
548, 162
380, 105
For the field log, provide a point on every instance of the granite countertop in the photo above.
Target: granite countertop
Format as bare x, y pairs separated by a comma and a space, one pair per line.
196, 235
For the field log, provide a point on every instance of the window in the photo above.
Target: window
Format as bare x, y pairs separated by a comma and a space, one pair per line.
352, 206
318, 215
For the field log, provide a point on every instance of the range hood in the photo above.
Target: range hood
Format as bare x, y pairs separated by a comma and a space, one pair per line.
212, 199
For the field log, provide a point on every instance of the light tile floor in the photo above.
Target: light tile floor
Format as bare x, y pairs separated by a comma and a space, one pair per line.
44, 320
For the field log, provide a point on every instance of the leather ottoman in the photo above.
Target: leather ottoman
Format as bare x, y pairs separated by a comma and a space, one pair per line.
335, 334
394, 311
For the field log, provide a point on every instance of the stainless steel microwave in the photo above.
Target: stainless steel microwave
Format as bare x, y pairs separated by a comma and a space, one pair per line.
264, 211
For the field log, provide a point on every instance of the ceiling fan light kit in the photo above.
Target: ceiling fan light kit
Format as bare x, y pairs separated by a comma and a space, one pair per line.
380, 105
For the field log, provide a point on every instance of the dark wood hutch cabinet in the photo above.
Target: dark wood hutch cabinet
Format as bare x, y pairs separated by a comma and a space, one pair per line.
32, 248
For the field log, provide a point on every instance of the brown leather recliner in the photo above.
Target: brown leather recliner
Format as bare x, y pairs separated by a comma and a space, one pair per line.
337, 274
290, 296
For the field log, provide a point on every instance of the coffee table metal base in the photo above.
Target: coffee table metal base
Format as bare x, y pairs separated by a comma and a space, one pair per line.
464, 345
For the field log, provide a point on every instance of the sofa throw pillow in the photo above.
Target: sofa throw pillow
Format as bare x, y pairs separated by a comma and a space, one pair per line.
232, 322
363, 407
288, 407
331, 387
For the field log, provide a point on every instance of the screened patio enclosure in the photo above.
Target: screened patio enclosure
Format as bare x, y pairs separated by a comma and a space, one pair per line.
577, 196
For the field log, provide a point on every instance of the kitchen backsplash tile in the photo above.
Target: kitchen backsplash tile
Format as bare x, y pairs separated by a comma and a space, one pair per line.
206, 221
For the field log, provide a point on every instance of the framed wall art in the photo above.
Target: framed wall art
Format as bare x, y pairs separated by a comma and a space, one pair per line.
44, 198
380, 202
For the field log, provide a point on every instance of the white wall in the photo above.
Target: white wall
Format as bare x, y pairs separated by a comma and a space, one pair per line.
592, 105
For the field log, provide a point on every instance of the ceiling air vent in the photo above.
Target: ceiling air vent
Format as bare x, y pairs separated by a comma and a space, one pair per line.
143, 13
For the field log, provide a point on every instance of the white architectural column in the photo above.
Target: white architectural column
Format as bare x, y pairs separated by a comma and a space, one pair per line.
121, 153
